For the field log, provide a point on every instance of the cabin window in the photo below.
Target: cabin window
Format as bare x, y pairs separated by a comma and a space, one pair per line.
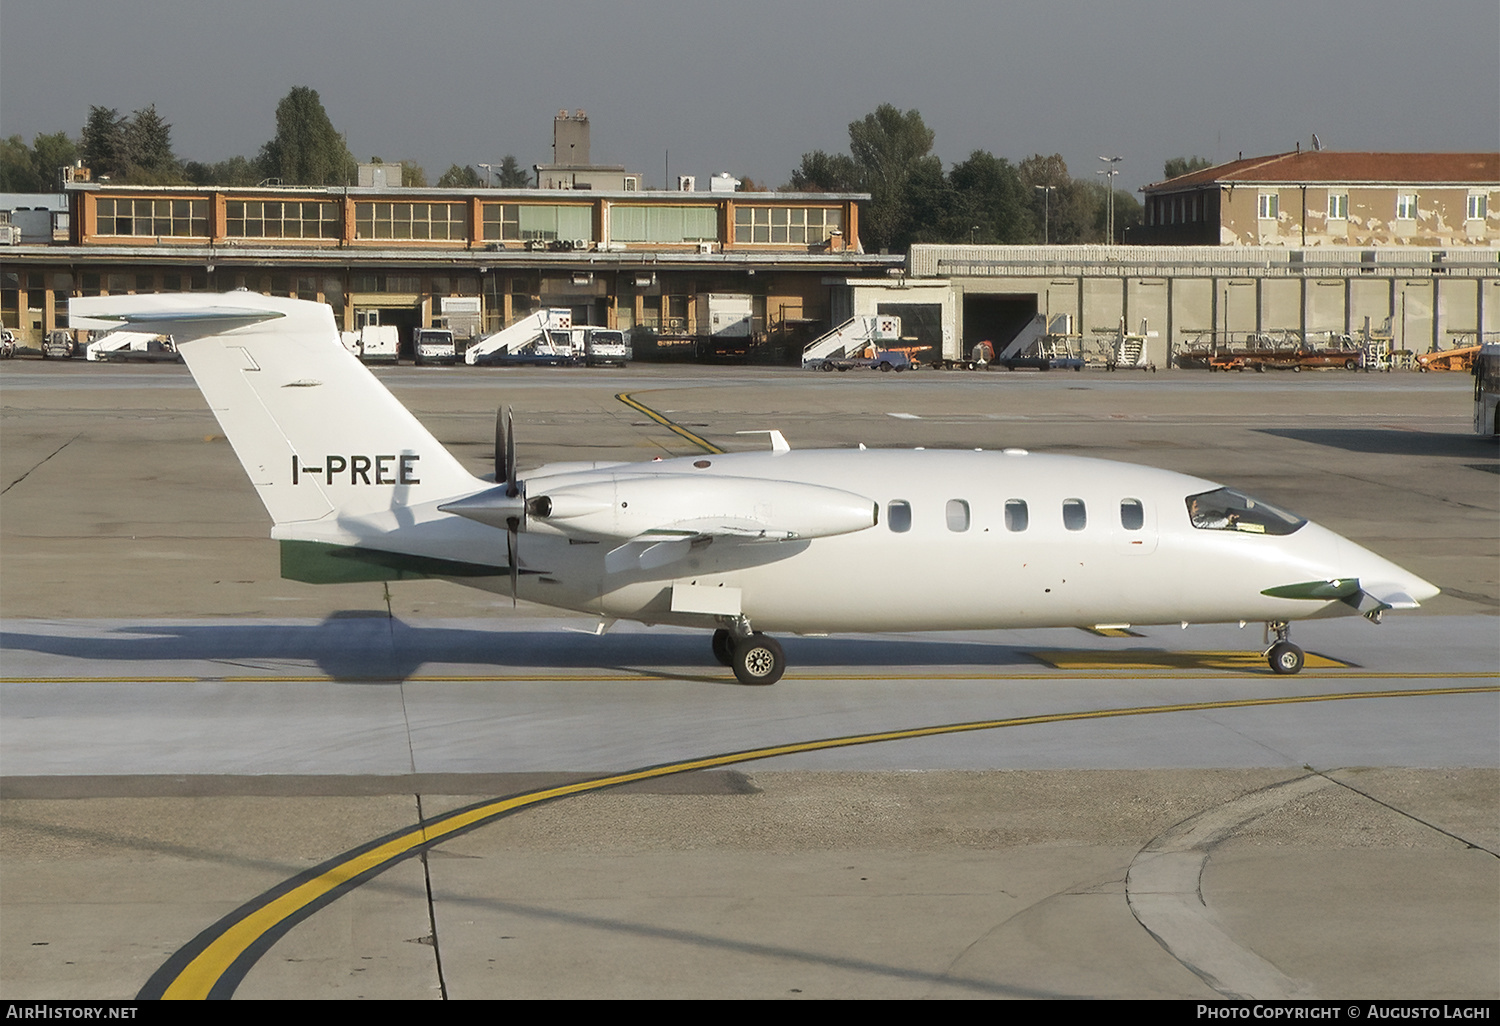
898, 515
1132, 514
958, 515
1016, 516
1228, 510
1075, 517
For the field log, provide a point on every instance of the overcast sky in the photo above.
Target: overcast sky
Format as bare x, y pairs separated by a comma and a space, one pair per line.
749, 86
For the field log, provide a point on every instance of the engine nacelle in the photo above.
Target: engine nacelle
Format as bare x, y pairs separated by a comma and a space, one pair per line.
628, 506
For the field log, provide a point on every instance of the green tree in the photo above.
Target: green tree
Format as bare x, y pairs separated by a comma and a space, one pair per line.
34, 168
49, 153
103, 142
1071, 210
459, 177
1178, 166
412, 175
890, 149
512, 175
992, 204
823, 172
234, 171
17, 171
306, 150
145, 153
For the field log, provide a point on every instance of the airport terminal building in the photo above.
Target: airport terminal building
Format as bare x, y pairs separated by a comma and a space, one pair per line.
791, 265
409, 257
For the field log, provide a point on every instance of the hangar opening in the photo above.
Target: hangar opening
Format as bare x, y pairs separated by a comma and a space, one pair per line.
996, 319
404, 318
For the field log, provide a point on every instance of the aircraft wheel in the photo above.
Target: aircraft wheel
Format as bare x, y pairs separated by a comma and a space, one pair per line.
723, 645
1285, 657
758, 659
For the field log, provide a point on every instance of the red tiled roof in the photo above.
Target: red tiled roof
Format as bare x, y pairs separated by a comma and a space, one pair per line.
1331, 166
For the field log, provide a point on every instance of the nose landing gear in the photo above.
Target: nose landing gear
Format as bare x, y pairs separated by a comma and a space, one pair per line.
1284, 657
754, 657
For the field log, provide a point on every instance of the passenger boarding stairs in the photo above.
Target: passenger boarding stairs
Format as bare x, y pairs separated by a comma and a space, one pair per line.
1130, 351
521, 334
1034, 332
849, 338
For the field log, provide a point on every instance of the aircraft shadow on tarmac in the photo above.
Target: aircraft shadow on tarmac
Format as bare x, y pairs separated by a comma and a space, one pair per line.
1396, 442
381, 650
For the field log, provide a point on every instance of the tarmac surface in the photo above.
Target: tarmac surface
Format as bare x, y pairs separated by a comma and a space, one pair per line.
211, 779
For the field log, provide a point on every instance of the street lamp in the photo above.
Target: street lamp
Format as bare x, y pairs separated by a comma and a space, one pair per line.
1046, 191
973, 230
487, 169
1109, 180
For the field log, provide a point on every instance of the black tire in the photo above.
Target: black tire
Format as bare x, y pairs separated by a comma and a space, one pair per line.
884, 366
723, 646
1285, 658
1349, 365
827, 367
758, 660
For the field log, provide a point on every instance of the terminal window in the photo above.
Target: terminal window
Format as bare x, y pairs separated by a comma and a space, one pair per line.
786, 225
279, 219
157, 218
663, 224
416, 221
527, 222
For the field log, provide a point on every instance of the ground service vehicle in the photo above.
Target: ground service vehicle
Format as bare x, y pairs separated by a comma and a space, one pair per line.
604, 346
433, 345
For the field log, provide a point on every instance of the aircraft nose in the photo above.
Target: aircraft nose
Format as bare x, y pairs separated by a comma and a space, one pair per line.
1393, 585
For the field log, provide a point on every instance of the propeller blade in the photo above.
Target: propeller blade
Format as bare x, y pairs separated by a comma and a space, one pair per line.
502, 468
512, 487
512, 542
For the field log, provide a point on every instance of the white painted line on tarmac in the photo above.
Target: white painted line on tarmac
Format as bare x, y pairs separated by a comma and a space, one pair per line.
1165, 892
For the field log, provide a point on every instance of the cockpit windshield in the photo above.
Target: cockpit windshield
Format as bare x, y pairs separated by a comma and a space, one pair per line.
1228, 510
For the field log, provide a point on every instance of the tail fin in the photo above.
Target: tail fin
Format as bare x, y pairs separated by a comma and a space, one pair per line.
316, 432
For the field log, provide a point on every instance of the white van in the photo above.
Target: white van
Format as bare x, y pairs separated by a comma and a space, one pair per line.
433, 345
379, 342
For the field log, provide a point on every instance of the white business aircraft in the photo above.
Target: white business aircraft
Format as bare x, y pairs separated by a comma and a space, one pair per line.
808, 542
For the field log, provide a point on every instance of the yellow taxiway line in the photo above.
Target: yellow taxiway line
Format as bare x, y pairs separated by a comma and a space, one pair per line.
1081, 666
213, 964
697, 440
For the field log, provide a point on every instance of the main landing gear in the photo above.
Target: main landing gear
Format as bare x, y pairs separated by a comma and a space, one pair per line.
754, 657
1283, 656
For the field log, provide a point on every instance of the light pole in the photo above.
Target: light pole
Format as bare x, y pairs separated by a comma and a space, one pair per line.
1109, 180
1046, 191
487, 169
